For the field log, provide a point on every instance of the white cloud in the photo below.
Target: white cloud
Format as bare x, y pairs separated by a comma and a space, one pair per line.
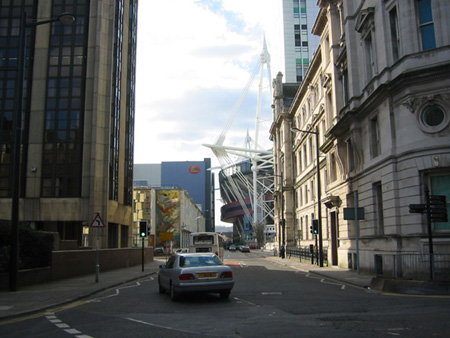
194, 60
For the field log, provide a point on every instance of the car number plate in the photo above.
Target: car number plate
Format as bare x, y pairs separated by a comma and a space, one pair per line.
206, 275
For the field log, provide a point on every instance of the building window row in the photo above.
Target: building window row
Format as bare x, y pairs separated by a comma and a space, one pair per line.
116, 104
64, 115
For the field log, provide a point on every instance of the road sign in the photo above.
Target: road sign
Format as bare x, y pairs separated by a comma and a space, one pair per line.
437, 199
417, 208
349, 214
165, 236
97, 222
437, 208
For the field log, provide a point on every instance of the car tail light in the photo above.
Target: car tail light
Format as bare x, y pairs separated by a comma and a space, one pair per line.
226, 274
186, 276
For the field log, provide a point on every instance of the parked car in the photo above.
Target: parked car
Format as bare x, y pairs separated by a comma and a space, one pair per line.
195, 272
158, 251
245, 248
182, 250
232, 248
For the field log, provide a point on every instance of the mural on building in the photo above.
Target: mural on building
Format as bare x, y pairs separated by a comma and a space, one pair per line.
168, 215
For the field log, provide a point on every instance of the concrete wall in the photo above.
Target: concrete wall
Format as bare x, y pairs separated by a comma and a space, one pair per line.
67, 264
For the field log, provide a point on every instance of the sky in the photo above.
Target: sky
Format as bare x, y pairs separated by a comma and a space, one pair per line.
194, 59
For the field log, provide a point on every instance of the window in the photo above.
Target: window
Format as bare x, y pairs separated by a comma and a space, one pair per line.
306, 225
433, 115
63, 132
395, 34
130, 97
369, 57
375, 137
299, 162
301, 228
116, 101
304, 157
333, 168
310, 150
345, 91
378, 209
440, 185
426, 24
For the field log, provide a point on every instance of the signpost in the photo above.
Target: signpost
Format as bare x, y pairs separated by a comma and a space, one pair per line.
96, 223
355, 214
436, 210
166, 237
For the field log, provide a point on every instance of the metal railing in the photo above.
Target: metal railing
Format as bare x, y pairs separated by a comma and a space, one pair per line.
413, 266
305, 255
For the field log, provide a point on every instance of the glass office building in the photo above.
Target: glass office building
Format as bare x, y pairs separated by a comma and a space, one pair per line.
76, 156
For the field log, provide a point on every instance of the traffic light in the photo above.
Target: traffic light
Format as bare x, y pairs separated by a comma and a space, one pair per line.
315, 226
143, 231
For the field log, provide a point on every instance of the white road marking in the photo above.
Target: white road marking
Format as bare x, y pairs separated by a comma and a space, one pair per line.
5, 307
72, 331
239, 300
161, 326
62, 326
52, 318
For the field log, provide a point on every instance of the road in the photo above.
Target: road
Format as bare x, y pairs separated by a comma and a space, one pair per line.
268, 300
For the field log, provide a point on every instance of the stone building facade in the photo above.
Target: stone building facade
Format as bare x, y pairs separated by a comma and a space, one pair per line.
378, 93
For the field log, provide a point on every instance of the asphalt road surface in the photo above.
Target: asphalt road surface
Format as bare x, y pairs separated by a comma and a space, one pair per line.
268, 300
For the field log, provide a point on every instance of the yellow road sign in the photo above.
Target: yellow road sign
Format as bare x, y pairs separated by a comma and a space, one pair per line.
165, 236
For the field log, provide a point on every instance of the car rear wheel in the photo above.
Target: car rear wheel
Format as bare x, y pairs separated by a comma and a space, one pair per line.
225, 294
173, 295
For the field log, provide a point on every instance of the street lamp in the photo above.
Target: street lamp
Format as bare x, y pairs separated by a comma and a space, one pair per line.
64, 18
319, 209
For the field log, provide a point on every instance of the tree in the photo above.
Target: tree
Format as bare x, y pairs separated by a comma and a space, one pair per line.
260, 234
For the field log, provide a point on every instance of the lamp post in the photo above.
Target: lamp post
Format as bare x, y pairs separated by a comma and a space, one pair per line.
64, 18
319, 208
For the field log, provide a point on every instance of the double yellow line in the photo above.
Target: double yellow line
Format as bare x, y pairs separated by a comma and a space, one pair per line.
43, 313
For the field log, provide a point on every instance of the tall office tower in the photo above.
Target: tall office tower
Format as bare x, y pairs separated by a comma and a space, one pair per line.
76, 152
299, 43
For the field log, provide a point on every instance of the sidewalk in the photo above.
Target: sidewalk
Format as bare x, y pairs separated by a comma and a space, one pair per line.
368, 281
347, 276
31, 299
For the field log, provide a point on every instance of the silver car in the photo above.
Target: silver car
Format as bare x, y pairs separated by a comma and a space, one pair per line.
195, 272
